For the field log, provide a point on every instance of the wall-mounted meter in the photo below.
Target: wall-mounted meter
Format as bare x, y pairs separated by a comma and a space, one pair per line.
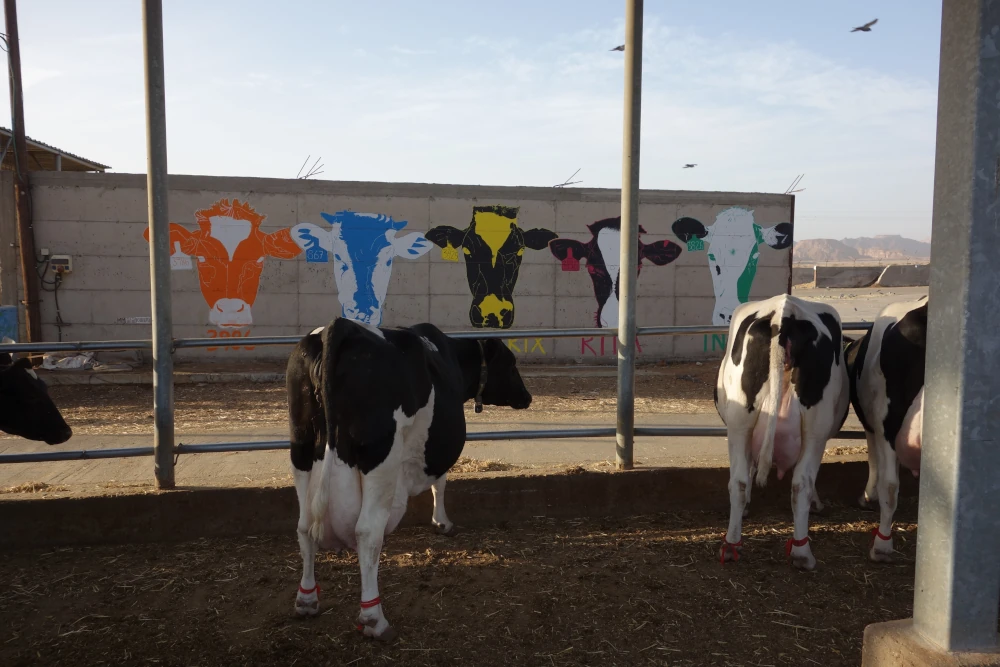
61, 264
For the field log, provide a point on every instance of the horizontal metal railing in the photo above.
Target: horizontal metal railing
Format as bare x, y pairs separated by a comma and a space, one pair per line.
481, 436
181, 343
251, 446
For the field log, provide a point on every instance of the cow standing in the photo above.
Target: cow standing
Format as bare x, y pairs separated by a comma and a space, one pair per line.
493, 246
886, 368
390, 404
782, 392
362, 246
603, 256
26, 409
733, 247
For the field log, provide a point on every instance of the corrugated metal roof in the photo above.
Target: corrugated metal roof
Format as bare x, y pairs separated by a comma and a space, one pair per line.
42, 156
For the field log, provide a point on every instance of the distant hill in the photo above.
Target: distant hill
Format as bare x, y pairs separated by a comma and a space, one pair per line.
888, 247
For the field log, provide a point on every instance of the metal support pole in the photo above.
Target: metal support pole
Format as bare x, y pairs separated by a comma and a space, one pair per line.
22, 195
629, 235
957, 585
159, 246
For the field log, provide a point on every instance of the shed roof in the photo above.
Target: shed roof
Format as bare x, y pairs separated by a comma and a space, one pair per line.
43, 157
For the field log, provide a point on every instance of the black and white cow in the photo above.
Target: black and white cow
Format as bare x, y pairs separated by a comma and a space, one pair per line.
782, 392
886, 369
26, 409
390, 404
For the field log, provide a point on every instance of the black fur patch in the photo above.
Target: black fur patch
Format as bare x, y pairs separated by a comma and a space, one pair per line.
812, 358
854, 357
758, 359
904, 346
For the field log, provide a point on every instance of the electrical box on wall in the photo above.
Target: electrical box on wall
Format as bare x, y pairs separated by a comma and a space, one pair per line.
61, 264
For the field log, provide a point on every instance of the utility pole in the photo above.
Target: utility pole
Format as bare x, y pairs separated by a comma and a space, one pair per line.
25, 229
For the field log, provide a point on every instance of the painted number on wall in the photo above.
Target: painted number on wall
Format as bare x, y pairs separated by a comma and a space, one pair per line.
223, 333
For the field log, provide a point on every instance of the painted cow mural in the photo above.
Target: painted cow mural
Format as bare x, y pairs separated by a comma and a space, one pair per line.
493, 246
602, 254
732, 244
363, 246
230, 248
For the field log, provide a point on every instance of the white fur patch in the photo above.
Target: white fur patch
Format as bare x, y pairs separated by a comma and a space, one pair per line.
317, 330
371, 327
428, 344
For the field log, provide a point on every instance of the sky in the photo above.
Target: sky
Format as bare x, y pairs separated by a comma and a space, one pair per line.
519, 92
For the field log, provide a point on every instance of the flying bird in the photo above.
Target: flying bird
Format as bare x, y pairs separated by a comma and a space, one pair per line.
618, 48
689, 166
866, 27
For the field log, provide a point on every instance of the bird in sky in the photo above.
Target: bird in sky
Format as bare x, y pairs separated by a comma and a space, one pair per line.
689, 166
866, 27
618, 48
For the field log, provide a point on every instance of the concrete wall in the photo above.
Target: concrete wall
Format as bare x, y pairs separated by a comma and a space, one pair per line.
99, 220
905, 275
847, 276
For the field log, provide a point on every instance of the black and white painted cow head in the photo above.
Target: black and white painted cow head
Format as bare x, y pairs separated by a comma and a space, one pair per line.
504, 386
493, 246
26, 410
602, 254
732, 243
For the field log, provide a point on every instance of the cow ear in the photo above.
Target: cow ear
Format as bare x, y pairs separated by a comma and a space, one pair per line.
660, 253
411, 246
778, 237
569, 252
448, 239
536, 239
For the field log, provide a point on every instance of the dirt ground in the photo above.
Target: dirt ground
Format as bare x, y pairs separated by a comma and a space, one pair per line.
681, 388
642, 591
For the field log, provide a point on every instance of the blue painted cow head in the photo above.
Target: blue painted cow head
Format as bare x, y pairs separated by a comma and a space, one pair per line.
362, 246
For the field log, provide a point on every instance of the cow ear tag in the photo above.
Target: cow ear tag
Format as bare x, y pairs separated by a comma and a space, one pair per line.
695, 244
449, 253
570, 263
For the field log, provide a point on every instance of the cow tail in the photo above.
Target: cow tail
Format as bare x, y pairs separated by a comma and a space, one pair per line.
333, 335
775, 380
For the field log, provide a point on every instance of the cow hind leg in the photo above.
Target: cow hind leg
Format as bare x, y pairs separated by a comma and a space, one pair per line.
442, 525
378, 489
869, 499
888, 495
803, 494
739, 494
307, 598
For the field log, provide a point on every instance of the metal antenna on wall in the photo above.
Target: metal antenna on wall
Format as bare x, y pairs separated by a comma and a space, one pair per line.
568, 181
791, 188
313, 170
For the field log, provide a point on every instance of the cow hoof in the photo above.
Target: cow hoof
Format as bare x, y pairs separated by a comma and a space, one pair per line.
805, 562
304, 607
868, 504
368, 629
880, 556
447, 531
730, 553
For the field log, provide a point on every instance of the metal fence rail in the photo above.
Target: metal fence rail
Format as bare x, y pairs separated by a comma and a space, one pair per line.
180, 343
480, 436
540, 434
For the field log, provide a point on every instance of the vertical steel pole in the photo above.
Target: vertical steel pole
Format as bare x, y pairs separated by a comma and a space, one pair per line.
629, 235
22, 197
957, 586
159, 245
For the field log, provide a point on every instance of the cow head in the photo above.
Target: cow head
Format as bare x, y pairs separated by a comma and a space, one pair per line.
504, 385
230, 249
602, 254
363, 246
732, 247
493, 246
26, 410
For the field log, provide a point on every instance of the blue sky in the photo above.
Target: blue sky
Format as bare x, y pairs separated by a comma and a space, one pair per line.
512, 93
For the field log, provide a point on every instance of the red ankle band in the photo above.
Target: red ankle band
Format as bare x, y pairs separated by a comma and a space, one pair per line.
877, 533
792, 542
730, 548
314, 589
371, 603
